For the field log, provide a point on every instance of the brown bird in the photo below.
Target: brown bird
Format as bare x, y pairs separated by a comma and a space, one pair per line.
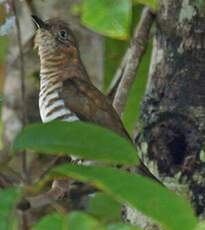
66, 92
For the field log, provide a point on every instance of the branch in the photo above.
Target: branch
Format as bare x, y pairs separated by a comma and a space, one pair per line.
31, 7
115, 83
24, 119
58, 189
117, 77
132, 60
23, 223
58, 160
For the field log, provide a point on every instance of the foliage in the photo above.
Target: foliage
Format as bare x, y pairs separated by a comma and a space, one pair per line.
121, 226
112, 17
51, 222
141, 193
134, 190
115, 49
65, 140
8, 198
75, 221
200, 226
151, 3
104, 207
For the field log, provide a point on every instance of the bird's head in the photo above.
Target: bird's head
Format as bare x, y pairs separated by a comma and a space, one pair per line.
53, 35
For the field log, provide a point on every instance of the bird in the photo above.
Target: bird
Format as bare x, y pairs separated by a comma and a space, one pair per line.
66, 91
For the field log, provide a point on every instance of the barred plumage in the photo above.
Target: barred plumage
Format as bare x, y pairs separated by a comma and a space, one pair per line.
52, 107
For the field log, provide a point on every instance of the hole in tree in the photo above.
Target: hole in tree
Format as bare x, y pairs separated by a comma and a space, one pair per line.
178, 149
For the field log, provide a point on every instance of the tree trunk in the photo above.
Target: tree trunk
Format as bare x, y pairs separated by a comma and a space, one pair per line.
172, 141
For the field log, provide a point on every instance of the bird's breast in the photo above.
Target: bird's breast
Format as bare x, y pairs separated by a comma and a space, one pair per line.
52, 106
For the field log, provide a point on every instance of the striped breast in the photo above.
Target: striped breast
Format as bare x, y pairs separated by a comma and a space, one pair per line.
52, 107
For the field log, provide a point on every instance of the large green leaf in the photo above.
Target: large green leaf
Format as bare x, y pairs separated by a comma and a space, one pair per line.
74, 221
200, 226
82, 221
51, 222
139, 192
77, 138
104, 208
108, 17
8, 200
121, 226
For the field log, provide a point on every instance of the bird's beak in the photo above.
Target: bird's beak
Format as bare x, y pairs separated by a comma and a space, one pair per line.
38, 22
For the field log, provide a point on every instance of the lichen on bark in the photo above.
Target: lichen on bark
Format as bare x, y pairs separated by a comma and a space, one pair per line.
174, 106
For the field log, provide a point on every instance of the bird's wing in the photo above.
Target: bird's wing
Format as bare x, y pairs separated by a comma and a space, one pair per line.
89, 104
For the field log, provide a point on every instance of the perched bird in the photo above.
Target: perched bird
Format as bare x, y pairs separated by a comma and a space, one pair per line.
66, 92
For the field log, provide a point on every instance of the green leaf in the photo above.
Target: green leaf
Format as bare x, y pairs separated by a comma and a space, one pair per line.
77, 138
82, 221
121, 226
104, 208
74, 221
108, 17
200, 226
52, 222
8, 200
147, 196
151, 3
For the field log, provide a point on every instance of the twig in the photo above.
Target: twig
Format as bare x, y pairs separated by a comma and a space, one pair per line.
60, 208
117, 77
54, 163
132, 59
24, 119
58, 189
23, 224
114, 84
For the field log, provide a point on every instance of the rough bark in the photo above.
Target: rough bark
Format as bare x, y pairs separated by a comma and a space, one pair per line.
172, 141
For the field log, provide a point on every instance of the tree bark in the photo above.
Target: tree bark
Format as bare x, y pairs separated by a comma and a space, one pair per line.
171, 141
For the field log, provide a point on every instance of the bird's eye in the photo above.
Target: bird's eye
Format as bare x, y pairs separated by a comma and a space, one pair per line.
63, 34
